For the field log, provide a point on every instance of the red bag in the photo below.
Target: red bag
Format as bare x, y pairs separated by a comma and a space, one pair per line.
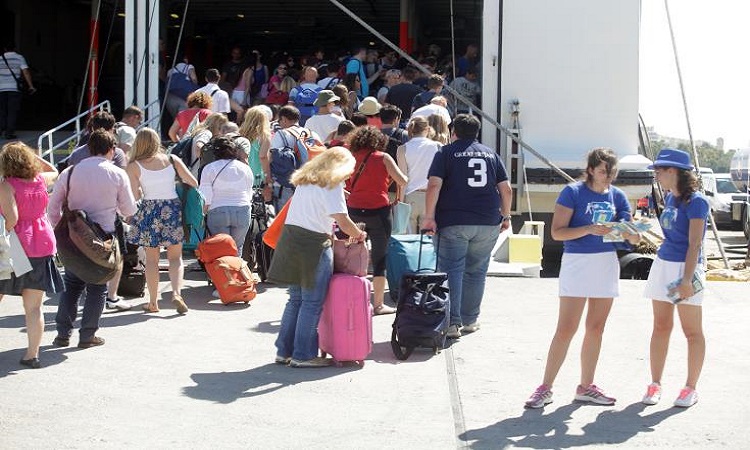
215, 247
277, 97
232, 278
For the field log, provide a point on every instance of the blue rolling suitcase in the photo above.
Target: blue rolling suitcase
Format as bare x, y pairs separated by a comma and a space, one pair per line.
403, 257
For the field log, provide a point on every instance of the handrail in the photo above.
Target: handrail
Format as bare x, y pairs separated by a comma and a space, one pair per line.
156, 119
48, 135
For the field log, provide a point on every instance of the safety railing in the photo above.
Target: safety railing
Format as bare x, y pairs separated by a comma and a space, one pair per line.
46, 143
151, 121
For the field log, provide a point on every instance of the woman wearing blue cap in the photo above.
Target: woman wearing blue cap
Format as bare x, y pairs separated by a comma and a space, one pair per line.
676, 277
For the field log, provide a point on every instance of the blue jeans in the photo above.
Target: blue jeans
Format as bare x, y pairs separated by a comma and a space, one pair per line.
281, 195
67, 309
464, 253
298, 336
232, 220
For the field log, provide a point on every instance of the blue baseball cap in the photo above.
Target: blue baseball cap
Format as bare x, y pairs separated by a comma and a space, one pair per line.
671, 157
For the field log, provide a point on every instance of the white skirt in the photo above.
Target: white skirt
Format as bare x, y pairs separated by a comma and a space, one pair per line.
664, 272
590, 275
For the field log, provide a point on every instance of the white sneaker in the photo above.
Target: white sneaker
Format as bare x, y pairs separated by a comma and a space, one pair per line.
453, 332
470, 328
687, 398
119, 304
653, 394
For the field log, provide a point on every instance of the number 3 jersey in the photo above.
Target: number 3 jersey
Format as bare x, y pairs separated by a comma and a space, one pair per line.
470, 172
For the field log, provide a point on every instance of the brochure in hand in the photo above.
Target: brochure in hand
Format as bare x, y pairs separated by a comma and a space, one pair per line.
624, 227
674, 296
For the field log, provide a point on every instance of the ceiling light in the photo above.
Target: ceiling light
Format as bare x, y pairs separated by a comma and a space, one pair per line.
120, 14
174, 16
241, 16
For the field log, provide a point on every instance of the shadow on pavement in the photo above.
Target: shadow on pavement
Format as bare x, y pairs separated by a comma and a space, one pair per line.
227, 387
534, 429
48, 355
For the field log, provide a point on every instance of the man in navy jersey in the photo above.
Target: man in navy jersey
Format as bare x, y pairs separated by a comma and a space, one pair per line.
468, 203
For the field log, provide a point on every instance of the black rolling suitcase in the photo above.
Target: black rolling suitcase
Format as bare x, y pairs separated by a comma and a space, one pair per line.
422, 313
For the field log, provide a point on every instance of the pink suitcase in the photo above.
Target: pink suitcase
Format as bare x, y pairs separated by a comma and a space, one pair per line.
345, 327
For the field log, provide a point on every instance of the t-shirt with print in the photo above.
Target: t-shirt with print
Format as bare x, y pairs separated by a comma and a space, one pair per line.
470, 172
592, 207
675, 224
312, 207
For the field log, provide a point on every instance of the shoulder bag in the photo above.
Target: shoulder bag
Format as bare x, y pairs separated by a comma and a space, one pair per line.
85, 249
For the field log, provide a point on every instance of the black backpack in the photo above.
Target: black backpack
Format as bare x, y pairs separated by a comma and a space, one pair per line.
184, 150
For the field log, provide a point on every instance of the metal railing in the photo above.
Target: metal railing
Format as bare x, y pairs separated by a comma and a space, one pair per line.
47, 137
151, 122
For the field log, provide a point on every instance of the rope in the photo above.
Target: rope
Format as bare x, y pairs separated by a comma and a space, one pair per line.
690, 131
457, 95
88, 60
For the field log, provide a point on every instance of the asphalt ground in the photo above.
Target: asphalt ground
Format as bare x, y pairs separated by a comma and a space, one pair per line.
207, 379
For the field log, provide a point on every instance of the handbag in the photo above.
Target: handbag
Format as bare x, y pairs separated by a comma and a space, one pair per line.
20, 81
400, 214
85, 249
350, 257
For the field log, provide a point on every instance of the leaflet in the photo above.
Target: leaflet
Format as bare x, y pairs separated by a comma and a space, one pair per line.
618, 228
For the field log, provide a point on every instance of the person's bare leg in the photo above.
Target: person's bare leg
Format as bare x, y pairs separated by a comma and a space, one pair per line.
663, 323
152, 276
596, 318
691, 318
32, 306
569, 316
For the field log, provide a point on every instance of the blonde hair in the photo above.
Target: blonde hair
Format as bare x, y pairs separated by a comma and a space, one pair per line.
418, 126
287, 84
145, 145
326, 170
18, 160
440, 127
213, 123
255, 125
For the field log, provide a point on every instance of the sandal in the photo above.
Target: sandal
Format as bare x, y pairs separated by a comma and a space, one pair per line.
179, 304
384, 309
149, 309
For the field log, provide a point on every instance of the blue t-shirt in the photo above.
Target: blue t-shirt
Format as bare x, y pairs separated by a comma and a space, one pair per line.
675, 223
470, 172
592, 207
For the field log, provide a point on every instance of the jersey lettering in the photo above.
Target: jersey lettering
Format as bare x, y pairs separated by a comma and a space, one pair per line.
480, 172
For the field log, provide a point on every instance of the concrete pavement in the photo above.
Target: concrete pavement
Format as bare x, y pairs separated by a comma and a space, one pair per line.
208, 380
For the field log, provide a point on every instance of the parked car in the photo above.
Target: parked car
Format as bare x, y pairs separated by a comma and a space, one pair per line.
722, 194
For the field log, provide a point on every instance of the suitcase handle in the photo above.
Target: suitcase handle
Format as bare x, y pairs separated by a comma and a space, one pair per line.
422, 234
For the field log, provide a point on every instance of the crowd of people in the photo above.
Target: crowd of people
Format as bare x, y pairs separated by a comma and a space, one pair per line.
389, 136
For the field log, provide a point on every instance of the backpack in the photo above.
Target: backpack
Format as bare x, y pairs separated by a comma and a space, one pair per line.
180, 84
183, 150
333, 82
285, 160
277, 97
305, 102
342, 70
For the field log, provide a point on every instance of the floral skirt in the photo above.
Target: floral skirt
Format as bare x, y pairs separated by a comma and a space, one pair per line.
158, 223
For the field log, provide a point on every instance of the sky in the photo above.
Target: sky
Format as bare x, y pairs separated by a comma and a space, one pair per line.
713, 45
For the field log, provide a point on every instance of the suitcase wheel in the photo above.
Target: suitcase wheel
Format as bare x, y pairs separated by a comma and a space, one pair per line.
361, 363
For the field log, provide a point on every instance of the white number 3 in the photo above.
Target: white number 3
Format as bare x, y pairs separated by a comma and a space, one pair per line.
480, 172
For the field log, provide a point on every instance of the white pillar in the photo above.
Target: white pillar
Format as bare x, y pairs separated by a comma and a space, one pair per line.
490, 68
129, 90
152, 96
141, 52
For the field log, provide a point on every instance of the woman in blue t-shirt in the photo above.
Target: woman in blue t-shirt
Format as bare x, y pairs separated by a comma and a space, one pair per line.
581, 211
678, 263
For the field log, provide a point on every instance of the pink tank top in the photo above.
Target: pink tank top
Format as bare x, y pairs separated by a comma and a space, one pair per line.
33, 228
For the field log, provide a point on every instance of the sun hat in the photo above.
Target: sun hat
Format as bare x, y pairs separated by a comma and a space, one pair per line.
671, 157
369, 106
325, 97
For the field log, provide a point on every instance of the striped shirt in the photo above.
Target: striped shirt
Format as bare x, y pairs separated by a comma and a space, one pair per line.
17, 63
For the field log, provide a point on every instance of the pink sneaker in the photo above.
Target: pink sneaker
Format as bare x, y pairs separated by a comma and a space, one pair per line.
594, 395
688, 397
541, 397
653, 394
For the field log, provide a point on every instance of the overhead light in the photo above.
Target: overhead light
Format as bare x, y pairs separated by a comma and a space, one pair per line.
175, 26
372, 43
120, 14
266, 32
174, 16
241, 16
198, 36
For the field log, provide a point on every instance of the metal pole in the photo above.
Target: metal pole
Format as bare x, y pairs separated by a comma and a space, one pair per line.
690, 131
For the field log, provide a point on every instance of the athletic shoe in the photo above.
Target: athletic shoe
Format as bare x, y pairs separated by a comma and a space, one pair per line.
315, 362
118, 303
541, 397
594, 395
283, 360
453, 332
653, 394
688, 397
470, 328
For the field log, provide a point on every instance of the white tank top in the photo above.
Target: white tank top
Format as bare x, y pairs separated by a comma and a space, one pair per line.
158, 184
